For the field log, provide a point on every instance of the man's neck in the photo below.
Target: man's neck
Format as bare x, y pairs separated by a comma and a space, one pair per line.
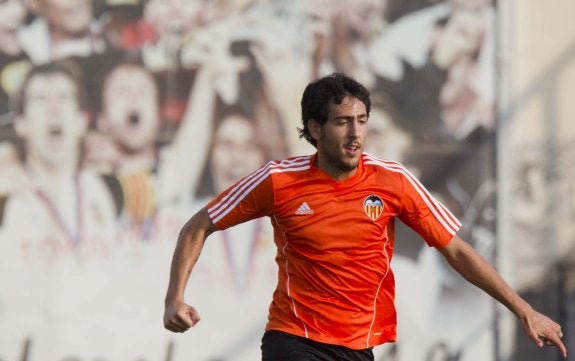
337, 173
51, 177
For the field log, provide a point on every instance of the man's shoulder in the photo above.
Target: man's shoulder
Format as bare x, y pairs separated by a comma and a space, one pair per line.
290, 165
377, 164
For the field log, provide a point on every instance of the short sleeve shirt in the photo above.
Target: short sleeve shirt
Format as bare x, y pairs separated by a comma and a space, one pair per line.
335, 241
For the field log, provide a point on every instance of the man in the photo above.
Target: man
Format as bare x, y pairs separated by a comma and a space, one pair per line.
333, 215
58, 226
152, 177
71, 208
61, 29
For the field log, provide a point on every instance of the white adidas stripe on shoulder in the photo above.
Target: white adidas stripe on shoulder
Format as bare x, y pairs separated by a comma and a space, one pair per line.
443, 215
246, 185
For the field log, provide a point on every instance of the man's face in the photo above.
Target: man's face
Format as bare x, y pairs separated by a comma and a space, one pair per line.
130, 108
235, 152
52, 122
12, 13
341, 139
172, 19
67, 18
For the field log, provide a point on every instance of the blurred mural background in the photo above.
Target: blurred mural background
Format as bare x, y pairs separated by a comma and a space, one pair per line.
120, 118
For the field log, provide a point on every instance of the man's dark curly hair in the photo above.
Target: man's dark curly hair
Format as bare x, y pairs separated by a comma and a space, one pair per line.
319, 94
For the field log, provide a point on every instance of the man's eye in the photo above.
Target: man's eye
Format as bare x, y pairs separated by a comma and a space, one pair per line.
37, 98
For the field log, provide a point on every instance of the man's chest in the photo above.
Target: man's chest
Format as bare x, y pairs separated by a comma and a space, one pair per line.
316, 212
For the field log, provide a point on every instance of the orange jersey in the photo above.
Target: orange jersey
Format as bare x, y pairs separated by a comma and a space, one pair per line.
335, 241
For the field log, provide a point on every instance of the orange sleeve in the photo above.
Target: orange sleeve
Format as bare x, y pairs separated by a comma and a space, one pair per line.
425, 215
249, 198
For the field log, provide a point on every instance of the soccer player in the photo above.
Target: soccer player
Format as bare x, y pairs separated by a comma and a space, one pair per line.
333, 215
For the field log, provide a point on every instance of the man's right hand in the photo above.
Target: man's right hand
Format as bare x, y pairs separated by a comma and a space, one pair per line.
180, 317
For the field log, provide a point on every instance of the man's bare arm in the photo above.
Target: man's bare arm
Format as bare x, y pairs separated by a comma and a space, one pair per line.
178, 316
475, 269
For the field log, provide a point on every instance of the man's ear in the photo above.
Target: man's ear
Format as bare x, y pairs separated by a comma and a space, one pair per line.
20, 126
314, 129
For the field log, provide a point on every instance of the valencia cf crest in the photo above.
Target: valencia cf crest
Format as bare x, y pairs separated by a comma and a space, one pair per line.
373, 207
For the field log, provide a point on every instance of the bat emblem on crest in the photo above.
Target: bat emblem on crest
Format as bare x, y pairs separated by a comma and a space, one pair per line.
373, 206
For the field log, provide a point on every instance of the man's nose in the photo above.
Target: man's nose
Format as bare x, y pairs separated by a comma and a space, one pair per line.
353, 128
54, 108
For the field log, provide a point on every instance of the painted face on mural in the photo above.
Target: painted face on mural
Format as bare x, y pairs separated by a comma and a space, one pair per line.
130, 110
66, 18
172, 19
236, 152
52, 122
12, 13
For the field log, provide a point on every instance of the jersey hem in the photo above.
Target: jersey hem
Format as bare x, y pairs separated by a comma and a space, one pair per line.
355, 345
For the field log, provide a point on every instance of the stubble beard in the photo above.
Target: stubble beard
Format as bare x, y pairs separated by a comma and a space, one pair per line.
342, 164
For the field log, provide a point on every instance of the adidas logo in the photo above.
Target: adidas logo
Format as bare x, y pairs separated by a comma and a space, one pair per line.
304, 209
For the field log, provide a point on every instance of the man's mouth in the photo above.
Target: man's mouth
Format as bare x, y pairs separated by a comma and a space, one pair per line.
352, 148
55, 132
134, 118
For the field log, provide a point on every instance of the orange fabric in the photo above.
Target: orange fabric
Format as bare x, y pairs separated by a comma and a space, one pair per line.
335, 241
